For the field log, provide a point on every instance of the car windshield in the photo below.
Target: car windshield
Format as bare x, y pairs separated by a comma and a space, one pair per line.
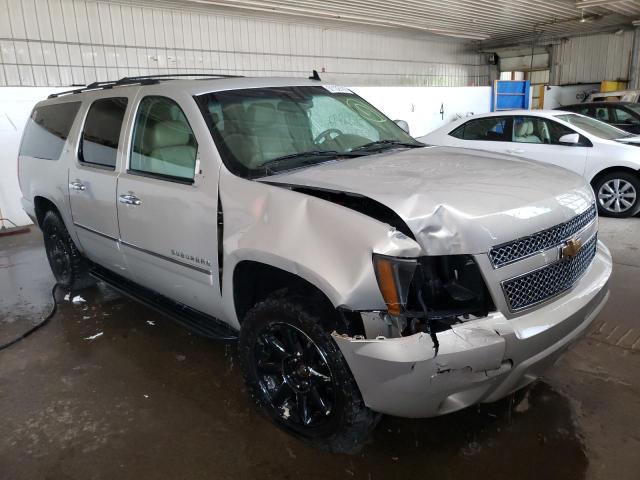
262, 131
635, 107
594, 127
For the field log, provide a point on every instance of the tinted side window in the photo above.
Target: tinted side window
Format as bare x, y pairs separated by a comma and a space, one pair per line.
47, 130
555, 131
601, 113
581, 109
101, 134
622, 116
494, 129
163, 142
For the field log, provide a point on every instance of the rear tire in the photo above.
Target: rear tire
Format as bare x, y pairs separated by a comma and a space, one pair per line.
618, 194
298, 377
67, 264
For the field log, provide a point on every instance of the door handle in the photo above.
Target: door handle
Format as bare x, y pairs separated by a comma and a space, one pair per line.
129, 200
77, 186
515, 150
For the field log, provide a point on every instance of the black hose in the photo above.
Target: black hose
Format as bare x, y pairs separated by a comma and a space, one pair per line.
427, 323
37, 326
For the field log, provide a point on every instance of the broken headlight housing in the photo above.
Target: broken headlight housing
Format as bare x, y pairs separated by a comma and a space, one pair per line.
433, 292
394, 275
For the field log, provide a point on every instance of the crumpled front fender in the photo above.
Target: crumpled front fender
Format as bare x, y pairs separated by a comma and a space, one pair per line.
328, 245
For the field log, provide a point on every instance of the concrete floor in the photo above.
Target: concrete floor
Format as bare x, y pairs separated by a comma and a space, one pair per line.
148, 400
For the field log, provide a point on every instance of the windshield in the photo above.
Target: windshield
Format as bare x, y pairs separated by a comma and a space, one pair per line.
635, 107
594, 127
261, 131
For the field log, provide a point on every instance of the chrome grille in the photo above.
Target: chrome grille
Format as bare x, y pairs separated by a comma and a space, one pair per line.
515, 250
539, 285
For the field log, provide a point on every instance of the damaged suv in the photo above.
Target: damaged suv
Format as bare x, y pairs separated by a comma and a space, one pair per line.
363, 272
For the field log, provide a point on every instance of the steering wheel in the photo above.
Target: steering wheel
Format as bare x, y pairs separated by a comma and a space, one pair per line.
326, 136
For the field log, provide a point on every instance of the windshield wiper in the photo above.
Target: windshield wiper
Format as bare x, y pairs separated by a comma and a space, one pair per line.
386, 144
311, 156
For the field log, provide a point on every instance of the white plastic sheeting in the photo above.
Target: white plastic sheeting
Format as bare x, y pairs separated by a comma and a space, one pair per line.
15, 106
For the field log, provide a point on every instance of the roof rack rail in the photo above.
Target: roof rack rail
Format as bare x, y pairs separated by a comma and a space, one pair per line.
171, 76
138, 80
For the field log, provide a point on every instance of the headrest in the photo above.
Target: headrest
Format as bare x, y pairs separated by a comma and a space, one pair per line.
262, 114
232, 112
163, 111
523, 129
170, 134
289, 107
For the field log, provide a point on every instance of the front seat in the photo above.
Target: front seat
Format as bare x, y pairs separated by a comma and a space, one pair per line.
172, 150
531, 138
521, 131
270, 130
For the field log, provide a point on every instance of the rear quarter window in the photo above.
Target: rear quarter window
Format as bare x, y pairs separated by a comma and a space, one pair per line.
47, 130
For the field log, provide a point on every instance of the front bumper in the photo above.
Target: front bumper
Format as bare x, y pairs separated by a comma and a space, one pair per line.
478, 361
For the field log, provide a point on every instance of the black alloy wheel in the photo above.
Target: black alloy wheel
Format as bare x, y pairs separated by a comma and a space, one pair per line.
294, 375
67, 264
298, 376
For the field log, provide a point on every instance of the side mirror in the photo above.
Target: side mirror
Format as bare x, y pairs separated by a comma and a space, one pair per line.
570, 139
403, 125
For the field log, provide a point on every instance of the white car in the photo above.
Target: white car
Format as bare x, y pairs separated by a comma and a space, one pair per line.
606, 156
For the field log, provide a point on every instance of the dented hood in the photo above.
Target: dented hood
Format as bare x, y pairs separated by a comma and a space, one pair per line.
456, 200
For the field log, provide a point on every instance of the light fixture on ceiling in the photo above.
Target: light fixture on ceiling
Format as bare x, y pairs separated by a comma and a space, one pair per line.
620, 31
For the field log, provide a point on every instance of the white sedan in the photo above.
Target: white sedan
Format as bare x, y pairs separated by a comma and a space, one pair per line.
606, 156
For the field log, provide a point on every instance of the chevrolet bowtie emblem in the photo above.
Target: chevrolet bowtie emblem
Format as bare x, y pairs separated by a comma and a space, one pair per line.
570, 249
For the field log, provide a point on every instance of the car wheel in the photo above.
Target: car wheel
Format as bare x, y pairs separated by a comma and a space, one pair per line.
618, 194
298, 377
66, 262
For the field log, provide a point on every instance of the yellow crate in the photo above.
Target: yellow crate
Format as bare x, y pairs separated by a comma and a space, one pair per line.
612, 86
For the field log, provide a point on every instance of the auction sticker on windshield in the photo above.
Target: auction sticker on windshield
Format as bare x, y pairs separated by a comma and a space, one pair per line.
337, 89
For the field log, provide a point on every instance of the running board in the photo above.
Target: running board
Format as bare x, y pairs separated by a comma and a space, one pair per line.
193, 320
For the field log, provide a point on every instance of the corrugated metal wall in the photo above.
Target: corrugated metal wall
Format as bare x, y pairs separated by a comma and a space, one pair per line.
590, 59
64, 42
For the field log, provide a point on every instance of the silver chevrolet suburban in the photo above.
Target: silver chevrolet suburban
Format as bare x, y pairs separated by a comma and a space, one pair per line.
363, 272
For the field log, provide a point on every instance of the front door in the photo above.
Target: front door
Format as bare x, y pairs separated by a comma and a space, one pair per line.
624, 119
93, 181
167, 201
538, 138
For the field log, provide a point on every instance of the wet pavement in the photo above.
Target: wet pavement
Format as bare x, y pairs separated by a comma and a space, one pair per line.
110, 389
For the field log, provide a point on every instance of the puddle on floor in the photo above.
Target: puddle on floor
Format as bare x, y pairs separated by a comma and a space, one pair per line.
110, 389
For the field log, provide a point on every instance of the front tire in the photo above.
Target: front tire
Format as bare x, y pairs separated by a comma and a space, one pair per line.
298, 377
618, 194
67, 264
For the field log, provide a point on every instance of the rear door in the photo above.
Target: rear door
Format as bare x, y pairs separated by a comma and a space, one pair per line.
93, 180
538, 138
167, 202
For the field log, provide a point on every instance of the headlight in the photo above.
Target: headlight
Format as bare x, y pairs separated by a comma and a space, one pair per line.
394, 277
450, 286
